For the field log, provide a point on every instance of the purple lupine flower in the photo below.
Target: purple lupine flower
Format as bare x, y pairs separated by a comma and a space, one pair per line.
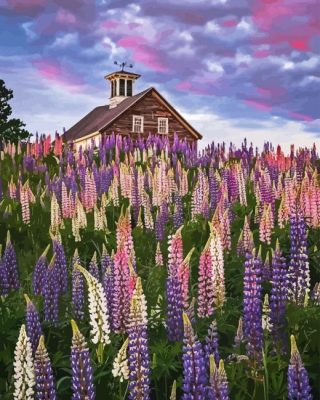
39, 273
82, 373
298, 380
107, 270
278, 298
138, 353
174, 293
159, 226
51, 293
218, 389
94, 268
252, 307
33, 324
178, 211
77, 288
10, 264
175, 308
299, 274
211, 345
4, 284
61, 264
194, 368
44, 380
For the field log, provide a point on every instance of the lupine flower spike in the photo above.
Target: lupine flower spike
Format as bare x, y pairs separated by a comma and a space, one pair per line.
82, 373
10, 264
218, 381
139, 361
194, 369
33, 325
298, 380
23, 377
98, 309
120, 364
39, 273
45, 384
173, 395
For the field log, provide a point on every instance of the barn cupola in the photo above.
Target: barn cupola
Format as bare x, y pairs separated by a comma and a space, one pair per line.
121, 84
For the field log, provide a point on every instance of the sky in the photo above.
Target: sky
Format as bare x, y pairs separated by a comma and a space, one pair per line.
233, 68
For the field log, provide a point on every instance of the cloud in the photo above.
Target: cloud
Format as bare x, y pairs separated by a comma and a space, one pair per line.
246, 61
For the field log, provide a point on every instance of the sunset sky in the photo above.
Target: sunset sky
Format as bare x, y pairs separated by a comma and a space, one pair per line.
233, 68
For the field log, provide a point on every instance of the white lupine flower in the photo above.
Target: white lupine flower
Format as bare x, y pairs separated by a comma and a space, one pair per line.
98, 309
266, 325
120, 364
138, 307
24, 378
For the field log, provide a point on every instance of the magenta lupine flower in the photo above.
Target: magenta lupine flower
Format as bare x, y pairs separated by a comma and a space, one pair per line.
94, 268
205, 283
61, 266
218, 389
39, 273
298, 380
211, 345
51, 293
138, 352
4, 284
78, 300
121, 294
10, 264
278, 298
44, 381
299, 273
33, 324
194, 369
82, 373
174, 292
124, 235
252, 308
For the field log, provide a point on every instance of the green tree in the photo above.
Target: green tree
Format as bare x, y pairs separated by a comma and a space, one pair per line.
11, 129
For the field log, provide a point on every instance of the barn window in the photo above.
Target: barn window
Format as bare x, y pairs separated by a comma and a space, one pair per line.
113, 88
137, 124
129, 87
163, 126
122, 87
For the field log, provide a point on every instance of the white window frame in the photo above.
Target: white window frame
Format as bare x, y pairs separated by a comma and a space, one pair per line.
160, 119
134, 117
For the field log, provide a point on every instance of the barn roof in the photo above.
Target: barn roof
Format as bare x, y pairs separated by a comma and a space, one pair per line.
101, 117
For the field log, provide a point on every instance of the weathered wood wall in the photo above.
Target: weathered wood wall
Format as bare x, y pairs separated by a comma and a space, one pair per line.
150, 108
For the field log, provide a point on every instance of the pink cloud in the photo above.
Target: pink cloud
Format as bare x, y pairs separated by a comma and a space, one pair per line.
21, 5
132, 41
277, 20
65, 17
184, 85
302, 117
302, 45
143, 52
110, 24
229, 23
261, 53
259, 105
54, 72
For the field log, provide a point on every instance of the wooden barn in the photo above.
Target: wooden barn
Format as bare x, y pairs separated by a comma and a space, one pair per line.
130, 114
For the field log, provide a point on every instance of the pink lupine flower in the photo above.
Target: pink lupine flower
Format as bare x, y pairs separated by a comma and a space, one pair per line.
122, 290
158, 256
184, 276
205, 283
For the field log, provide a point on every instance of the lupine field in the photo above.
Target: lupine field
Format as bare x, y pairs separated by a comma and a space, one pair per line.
148, 270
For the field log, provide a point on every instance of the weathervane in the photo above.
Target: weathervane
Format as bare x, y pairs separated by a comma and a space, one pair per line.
123, 64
